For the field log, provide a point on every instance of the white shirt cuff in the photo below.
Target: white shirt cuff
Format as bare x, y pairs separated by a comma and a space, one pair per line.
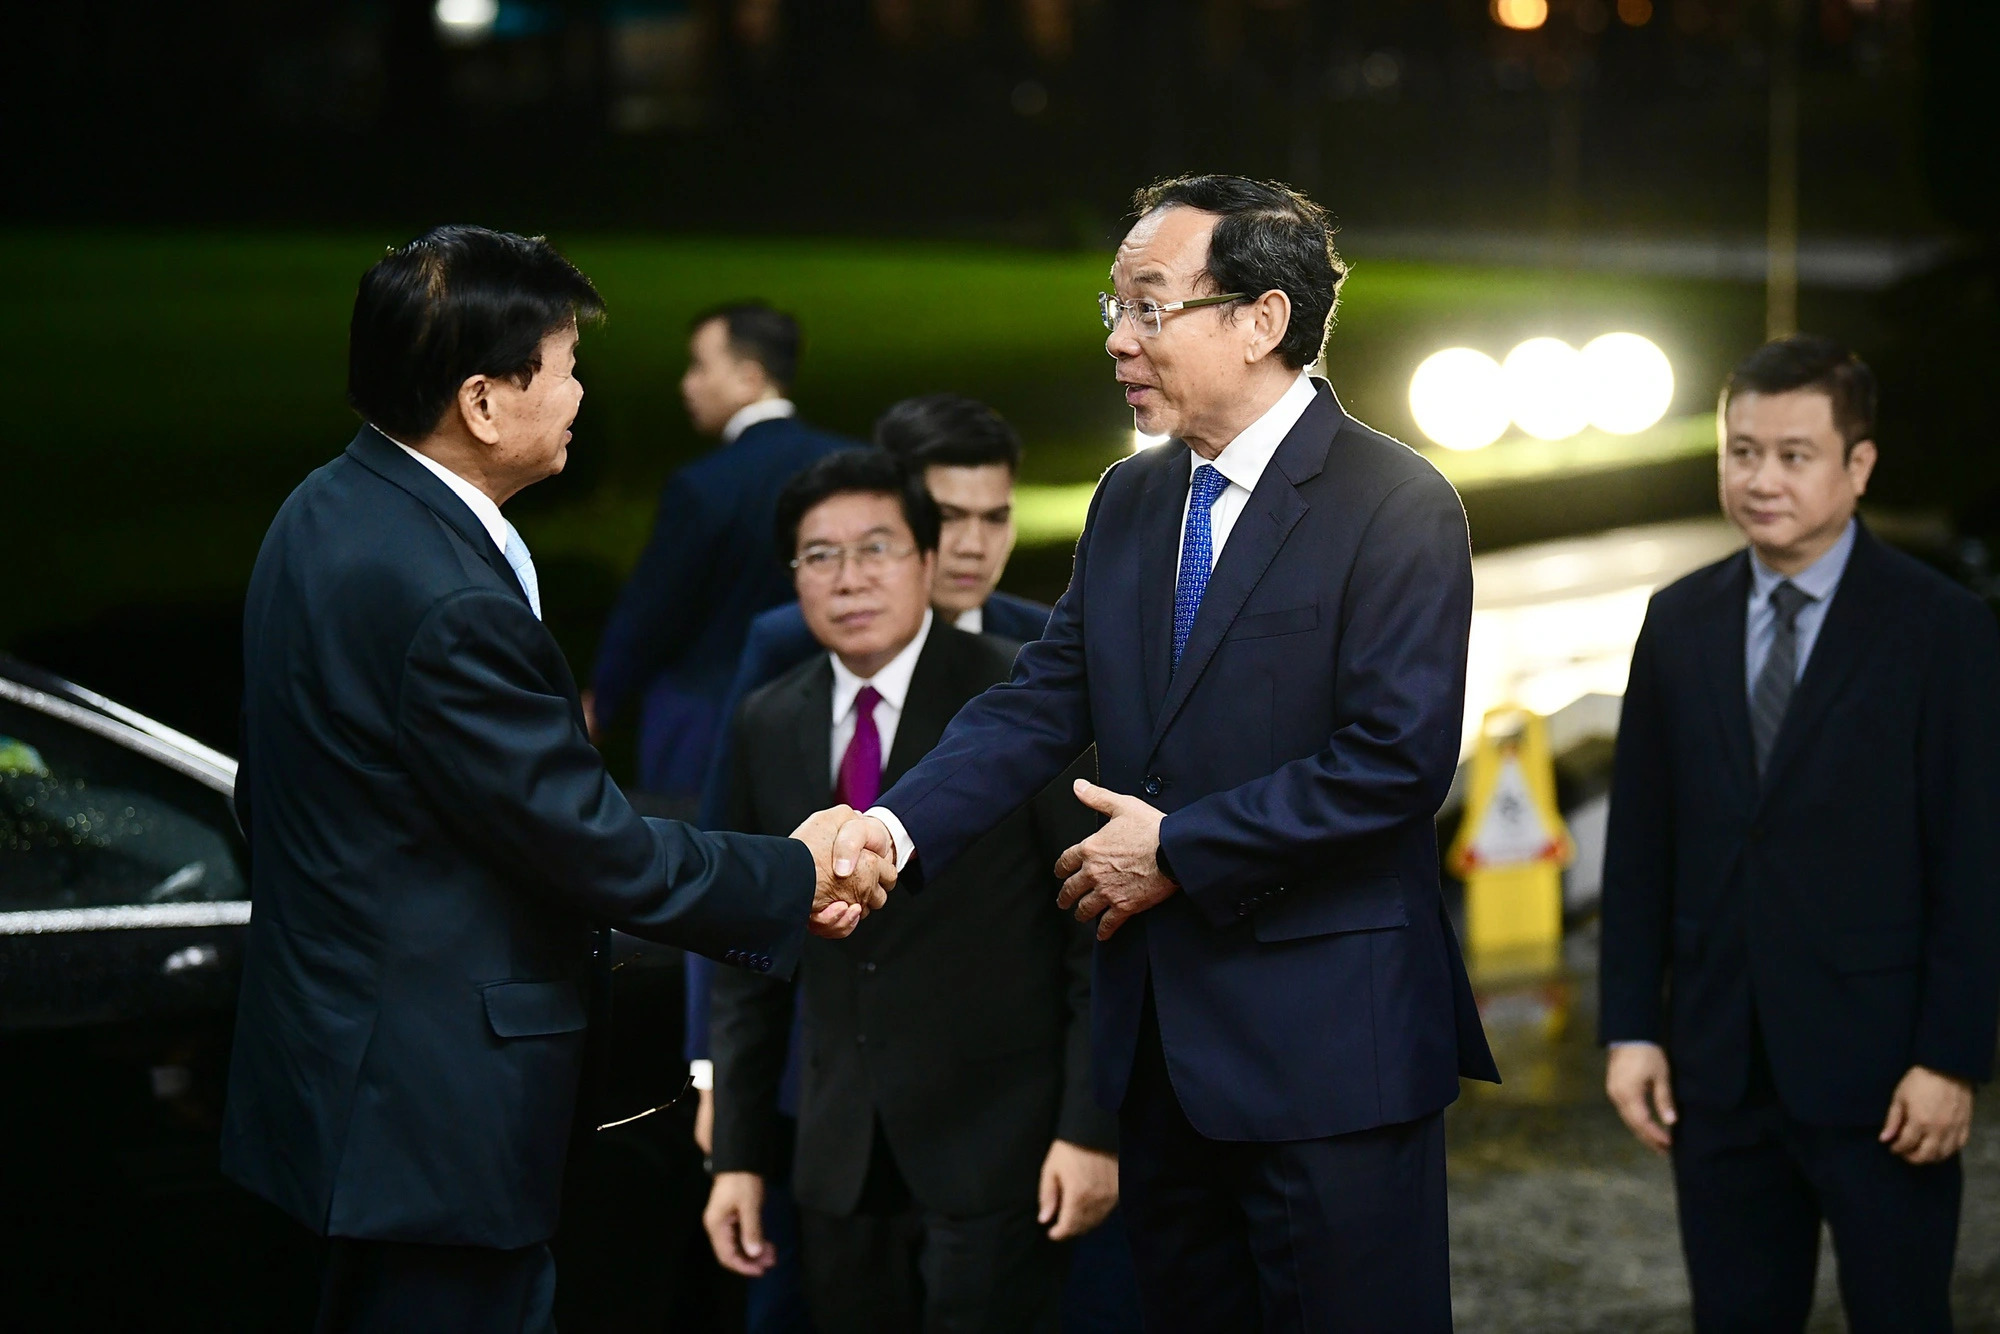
1629, 1042
703, 1073
900, 835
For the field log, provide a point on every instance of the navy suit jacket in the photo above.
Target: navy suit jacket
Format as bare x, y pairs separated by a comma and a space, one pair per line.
778, 642
1851, 901
711, 565
1306, 977
431, 837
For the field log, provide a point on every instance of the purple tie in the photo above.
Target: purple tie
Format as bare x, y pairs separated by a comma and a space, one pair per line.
861, 767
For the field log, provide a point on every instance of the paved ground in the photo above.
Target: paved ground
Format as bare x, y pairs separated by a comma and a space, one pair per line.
1561, 1222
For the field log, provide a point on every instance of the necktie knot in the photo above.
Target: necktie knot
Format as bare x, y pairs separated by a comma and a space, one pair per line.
1209, 484
1787, 601
865, 702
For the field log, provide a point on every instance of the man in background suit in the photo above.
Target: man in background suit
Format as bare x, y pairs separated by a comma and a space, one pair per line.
675, 634
954, 1035
431, 833
1801, 941
1265, 636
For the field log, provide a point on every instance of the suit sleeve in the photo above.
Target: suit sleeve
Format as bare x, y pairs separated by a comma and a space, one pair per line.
1007, 744
1400, 683
662, 605
1638, 860
750, 1027
1061, 822
1959, 773
497, 745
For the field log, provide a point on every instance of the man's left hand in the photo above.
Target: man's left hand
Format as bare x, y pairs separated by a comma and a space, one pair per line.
1079, 1189
1930, 1117
1114, 873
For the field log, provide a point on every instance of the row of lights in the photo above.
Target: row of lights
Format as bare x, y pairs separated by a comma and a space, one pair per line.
1528, 15
1620, 383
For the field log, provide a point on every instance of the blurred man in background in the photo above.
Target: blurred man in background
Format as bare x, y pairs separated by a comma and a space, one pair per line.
956, 1039
1801, 960
677, 630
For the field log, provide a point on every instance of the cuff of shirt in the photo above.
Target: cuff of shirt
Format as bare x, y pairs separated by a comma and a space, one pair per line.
1616, 1043
897, 833
703, 1074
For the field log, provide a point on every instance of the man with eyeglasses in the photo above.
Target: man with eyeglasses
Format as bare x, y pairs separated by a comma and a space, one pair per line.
1265, 637
952, 1040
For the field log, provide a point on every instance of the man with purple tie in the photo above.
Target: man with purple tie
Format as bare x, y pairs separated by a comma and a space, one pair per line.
953, 1041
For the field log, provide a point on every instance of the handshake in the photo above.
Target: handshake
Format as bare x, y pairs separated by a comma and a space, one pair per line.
854, 861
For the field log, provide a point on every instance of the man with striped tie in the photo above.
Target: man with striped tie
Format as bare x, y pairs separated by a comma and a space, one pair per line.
431, 833
1265, 636
946, 1140
1801, 946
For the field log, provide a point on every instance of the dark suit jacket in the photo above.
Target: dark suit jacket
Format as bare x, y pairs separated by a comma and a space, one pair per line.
711, 565
430, 835
1306, 977
778, 642
960, 1019
1853, 900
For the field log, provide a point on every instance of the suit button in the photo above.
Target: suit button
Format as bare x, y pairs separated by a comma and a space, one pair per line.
1242, 910
1152, 786
868, 965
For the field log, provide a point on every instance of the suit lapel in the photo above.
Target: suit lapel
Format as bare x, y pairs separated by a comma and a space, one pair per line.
1161, 506
383, 457
929, 707
1274, 509
1721, 652
1844, 640
810, 784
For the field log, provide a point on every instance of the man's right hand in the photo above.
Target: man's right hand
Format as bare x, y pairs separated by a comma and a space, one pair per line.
851, 883
735, 1222
1639, 1084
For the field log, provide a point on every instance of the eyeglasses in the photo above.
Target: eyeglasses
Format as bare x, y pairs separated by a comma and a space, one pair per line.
824, 562
1146, 315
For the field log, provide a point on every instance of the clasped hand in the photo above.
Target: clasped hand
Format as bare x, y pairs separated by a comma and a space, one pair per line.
852, 882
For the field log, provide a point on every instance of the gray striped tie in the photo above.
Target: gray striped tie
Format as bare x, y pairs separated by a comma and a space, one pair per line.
1773, 690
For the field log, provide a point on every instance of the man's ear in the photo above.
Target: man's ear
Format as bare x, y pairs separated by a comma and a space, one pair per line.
1861, 465
1270, 316
475, 409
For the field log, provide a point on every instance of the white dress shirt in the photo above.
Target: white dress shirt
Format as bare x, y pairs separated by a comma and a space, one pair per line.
763, 410
892, 683
972, 620
1242, 461
481, 504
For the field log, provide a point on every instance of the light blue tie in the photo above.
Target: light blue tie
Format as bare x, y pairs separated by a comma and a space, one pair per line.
516, 552
1197, 553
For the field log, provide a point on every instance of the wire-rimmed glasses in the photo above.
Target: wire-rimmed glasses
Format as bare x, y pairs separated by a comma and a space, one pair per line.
823, 561
1147, 315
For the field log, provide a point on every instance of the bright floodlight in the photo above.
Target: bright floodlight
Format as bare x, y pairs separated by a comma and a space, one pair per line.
1140, 440
1628, 383
467, 19
1545, 389
1458, 399
1521, 15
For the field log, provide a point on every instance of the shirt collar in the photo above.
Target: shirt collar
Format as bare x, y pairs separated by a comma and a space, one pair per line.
972, 620
763, 410
1817, 581
892, 683
1244, 459
481, 504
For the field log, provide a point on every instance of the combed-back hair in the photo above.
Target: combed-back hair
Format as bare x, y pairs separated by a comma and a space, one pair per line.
456, 302
759, 333
1809, 361
1268, 237
865, 471
948, 429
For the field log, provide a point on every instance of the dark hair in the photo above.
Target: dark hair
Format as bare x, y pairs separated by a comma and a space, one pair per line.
1807, 361
758, 333
948, 429
454, 303
867, 471
1269, 237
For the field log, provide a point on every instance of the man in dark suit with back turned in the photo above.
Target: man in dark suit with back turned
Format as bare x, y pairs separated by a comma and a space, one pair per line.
1265, 636
431, 833
1801, 958
674, 636
954, 1033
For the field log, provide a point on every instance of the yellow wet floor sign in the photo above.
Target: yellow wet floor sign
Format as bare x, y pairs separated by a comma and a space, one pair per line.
1512, 847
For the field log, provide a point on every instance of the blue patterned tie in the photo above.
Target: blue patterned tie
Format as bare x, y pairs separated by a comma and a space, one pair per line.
516, 552
1197, 553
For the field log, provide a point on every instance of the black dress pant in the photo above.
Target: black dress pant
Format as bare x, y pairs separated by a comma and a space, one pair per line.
1346, 1233
395, 1287
894, 1267
1754, 1184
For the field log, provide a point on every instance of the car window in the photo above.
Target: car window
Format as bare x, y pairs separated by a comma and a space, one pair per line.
86, 823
